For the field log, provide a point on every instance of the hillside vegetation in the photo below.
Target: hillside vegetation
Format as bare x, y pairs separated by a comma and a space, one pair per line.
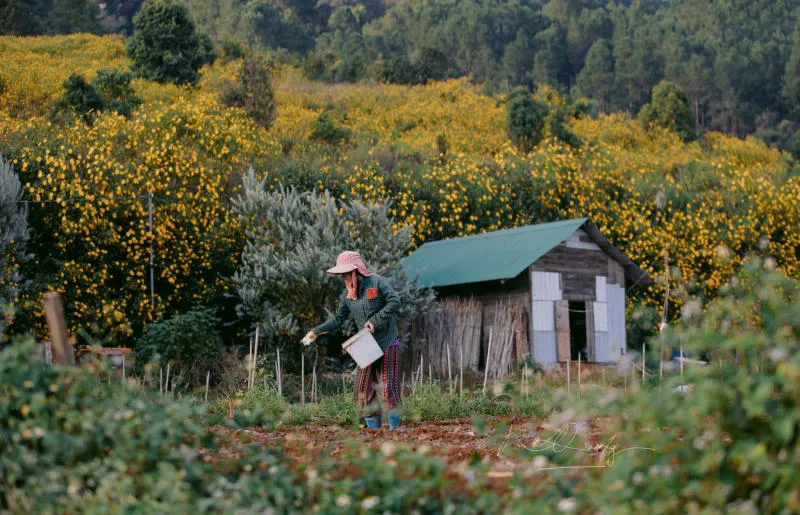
439, 151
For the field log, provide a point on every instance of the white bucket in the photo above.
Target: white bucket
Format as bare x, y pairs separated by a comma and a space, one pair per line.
363, 348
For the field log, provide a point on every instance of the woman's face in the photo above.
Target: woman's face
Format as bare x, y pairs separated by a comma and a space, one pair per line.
350, 278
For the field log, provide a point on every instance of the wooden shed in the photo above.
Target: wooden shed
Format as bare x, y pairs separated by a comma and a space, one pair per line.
566, 277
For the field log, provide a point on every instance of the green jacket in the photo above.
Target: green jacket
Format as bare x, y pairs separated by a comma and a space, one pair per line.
377, 303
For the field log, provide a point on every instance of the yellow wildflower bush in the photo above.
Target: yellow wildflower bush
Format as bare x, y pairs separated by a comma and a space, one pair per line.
440, 152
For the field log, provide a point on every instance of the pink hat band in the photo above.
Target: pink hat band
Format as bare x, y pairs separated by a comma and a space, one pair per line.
349, 261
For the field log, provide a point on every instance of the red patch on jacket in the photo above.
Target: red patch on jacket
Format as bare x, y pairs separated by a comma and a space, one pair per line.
372, 293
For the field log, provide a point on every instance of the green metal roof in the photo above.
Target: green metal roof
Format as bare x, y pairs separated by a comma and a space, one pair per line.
489, 256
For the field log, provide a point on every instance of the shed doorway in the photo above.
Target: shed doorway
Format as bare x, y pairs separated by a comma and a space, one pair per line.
578, 331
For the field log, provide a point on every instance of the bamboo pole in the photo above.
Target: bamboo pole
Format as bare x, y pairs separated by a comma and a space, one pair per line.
579, 375
681, 362
488, 356
302, 378
314, 382
461, 367
208, 380
161, 381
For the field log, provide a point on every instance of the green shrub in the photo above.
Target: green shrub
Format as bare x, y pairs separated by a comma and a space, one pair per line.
252, 91
290, 236
326, 130
526, 119
80, 100
189, 341
670, 108
165, 47
115, 88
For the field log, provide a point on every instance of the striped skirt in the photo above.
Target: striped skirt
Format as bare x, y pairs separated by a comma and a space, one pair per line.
389, 368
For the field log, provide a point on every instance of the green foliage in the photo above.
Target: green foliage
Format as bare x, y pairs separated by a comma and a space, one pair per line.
111, 89
21, 18
596, 79
165, 47
526, 120
669, 108
189, 341
72, 444
534, 118
253, 91
292, 235
80, 100
14, 236
70, 16
326, 130
115, 88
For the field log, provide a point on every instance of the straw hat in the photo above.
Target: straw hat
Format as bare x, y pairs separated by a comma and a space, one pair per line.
349, 261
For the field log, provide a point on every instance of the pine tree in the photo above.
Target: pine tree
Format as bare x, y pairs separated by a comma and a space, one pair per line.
596, 79
13, 240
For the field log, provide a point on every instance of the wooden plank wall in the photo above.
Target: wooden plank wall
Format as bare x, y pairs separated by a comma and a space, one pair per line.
585, 273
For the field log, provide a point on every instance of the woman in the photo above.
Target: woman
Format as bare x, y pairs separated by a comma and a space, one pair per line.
373, 303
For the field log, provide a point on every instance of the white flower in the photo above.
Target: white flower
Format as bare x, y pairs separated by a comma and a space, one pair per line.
370, 502
387, 448
567, 504
343, 501
638, 478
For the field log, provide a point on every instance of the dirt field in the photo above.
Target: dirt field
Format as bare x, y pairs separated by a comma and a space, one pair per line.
457, 442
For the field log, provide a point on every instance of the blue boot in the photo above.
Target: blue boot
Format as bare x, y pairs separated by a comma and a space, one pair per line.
374, 422
394, 420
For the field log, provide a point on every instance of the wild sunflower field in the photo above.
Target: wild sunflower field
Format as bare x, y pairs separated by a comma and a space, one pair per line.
439, 152
94, 440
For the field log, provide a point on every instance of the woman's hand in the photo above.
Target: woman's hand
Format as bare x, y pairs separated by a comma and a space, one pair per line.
371, 327
309, 338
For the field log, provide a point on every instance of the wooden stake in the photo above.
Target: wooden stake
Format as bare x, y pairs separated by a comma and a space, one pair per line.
63, 353
449, 372
302, 378
569, 380
681, 362
280, 379
124, 382
161, 381
250, 363
208, 380
579, 375
255, 358
663, 321
166, 381
643, 364
524, 380
488, 355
